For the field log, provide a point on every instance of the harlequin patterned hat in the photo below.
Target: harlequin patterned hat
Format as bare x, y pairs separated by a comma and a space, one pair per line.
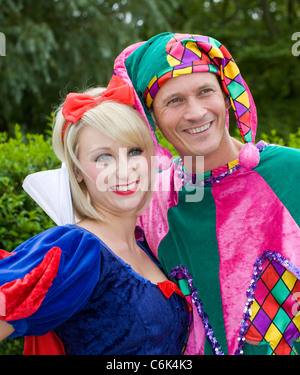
169, 55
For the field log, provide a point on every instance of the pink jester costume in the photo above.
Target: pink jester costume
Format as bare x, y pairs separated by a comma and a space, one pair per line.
235, 252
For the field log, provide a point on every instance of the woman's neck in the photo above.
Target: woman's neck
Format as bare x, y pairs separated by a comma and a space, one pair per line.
117, 232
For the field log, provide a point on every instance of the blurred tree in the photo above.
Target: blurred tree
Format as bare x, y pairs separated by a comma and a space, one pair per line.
55, 46
258, 33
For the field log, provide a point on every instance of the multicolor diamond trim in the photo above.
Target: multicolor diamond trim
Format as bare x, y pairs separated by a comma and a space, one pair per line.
272, 311
275, 315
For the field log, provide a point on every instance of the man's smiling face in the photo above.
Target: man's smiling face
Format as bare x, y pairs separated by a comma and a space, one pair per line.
190, 111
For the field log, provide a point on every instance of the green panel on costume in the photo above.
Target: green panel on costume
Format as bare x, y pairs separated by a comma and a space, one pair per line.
277, 165
174, 251
261, 349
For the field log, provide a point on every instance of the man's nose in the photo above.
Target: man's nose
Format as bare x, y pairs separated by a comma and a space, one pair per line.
194, 110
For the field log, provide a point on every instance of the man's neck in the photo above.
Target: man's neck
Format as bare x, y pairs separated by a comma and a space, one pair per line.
226, 153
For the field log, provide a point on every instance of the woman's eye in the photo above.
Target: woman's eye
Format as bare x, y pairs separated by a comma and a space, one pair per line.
135, 151
104, 158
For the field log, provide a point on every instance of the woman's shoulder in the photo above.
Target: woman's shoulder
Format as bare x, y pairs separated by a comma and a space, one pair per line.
69, 246
64, 237
58, 265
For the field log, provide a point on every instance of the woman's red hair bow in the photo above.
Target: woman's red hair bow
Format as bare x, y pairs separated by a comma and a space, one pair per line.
77, 104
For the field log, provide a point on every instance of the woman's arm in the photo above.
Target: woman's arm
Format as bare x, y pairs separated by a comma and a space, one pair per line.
57, 265
6, 329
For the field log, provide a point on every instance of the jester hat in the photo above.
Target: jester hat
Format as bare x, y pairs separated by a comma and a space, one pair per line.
151, 64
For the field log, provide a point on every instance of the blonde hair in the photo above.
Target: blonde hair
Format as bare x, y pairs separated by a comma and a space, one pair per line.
120, 122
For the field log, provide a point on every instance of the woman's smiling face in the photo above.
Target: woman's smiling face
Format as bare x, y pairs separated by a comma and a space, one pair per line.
117, 177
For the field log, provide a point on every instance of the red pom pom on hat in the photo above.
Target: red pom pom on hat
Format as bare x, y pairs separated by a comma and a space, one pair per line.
249, 156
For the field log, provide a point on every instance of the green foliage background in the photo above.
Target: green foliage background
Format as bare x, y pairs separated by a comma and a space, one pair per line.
57, 46
21, 155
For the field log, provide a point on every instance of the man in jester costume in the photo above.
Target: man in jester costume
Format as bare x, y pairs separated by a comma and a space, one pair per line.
229, 236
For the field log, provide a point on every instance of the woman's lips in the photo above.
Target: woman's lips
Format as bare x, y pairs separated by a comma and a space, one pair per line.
125, 189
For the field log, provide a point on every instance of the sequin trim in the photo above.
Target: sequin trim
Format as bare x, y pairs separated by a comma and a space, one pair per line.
191, 180
181, 272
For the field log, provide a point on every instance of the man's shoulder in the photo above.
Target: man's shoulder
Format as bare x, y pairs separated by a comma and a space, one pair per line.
280, 156
279, 167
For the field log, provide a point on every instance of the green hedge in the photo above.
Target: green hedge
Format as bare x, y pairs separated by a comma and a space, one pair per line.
20, 217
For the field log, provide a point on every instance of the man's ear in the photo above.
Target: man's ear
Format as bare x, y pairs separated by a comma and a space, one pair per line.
227, 102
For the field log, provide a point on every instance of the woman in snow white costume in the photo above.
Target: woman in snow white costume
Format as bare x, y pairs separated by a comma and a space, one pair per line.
229, 235
87, 286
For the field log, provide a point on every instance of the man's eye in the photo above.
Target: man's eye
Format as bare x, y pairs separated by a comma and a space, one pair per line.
104, 158
135, 151
206, 91
173, 101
